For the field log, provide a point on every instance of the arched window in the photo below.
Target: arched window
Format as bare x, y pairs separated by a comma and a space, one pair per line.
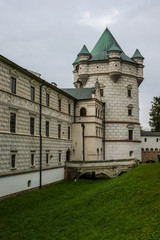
82, 112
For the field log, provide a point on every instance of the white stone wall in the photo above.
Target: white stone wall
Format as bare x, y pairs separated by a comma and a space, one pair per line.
121, 150
119, 131
17, 183
118, 121
21, 143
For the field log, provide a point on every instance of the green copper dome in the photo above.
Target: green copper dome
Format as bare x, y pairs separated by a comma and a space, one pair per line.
106, 43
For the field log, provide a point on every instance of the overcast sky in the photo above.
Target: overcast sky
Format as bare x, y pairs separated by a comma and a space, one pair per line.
45, 36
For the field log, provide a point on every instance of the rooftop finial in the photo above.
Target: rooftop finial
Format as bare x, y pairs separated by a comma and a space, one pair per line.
106, 26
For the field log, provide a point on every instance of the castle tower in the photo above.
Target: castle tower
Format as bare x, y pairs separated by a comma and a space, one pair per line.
119, 77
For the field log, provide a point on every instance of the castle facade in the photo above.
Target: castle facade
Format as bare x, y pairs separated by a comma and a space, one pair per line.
49, 134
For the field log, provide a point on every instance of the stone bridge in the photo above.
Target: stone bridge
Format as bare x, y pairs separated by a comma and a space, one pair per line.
114, 168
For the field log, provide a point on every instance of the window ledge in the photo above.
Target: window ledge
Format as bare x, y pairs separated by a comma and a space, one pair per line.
13, 168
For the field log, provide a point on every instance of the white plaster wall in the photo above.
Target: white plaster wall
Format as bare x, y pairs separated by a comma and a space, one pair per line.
151, 142
120, 150
17, 183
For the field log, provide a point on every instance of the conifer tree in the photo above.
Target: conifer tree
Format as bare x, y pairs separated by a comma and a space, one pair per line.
155, 115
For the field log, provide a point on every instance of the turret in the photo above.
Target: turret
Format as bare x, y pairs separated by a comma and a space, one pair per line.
81, 72
84, 54
137, 57
114, 54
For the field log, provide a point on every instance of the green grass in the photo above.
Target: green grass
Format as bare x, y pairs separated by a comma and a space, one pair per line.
124, 208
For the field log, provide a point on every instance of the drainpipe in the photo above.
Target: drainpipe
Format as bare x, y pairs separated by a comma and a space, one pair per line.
83, 146
104, 135
40, 134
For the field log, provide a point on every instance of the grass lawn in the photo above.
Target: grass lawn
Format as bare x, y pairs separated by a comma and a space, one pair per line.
124, 208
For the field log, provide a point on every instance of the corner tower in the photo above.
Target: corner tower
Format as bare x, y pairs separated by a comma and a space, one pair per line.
119, 77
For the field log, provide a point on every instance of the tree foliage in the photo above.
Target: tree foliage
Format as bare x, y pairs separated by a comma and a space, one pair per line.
155, 115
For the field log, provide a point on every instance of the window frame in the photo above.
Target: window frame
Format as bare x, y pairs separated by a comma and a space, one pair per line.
130, 134
59, 105
69, 132
13, 161
32, 160
32, 93
130, 111
83, 112
47, 158
47, 99
13, 85
59, 157
129, 92
101, 92
12, 122
32, 125
47, 128
59, 130
69, 108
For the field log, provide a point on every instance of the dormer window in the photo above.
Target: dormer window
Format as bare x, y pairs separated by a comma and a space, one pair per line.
82, 112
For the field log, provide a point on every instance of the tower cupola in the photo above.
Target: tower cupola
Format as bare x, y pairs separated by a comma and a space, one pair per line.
114, 54
84, 54
137, 56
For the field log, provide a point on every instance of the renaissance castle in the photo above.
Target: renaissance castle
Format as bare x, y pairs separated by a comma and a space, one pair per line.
49, 134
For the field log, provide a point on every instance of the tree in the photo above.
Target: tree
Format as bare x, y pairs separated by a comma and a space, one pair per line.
155, 115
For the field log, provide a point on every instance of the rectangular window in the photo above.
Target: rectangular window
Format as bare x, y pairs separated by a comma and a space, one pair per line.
13, 160
59, 130
32, 126
69, 108
69, 132
47, 99
129, 92
13, 85
130, 133
12, 122
47, 158
32, 93
59, 157
101, 91
47, 129
131, 153
130, 112
59, 105
32, 159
